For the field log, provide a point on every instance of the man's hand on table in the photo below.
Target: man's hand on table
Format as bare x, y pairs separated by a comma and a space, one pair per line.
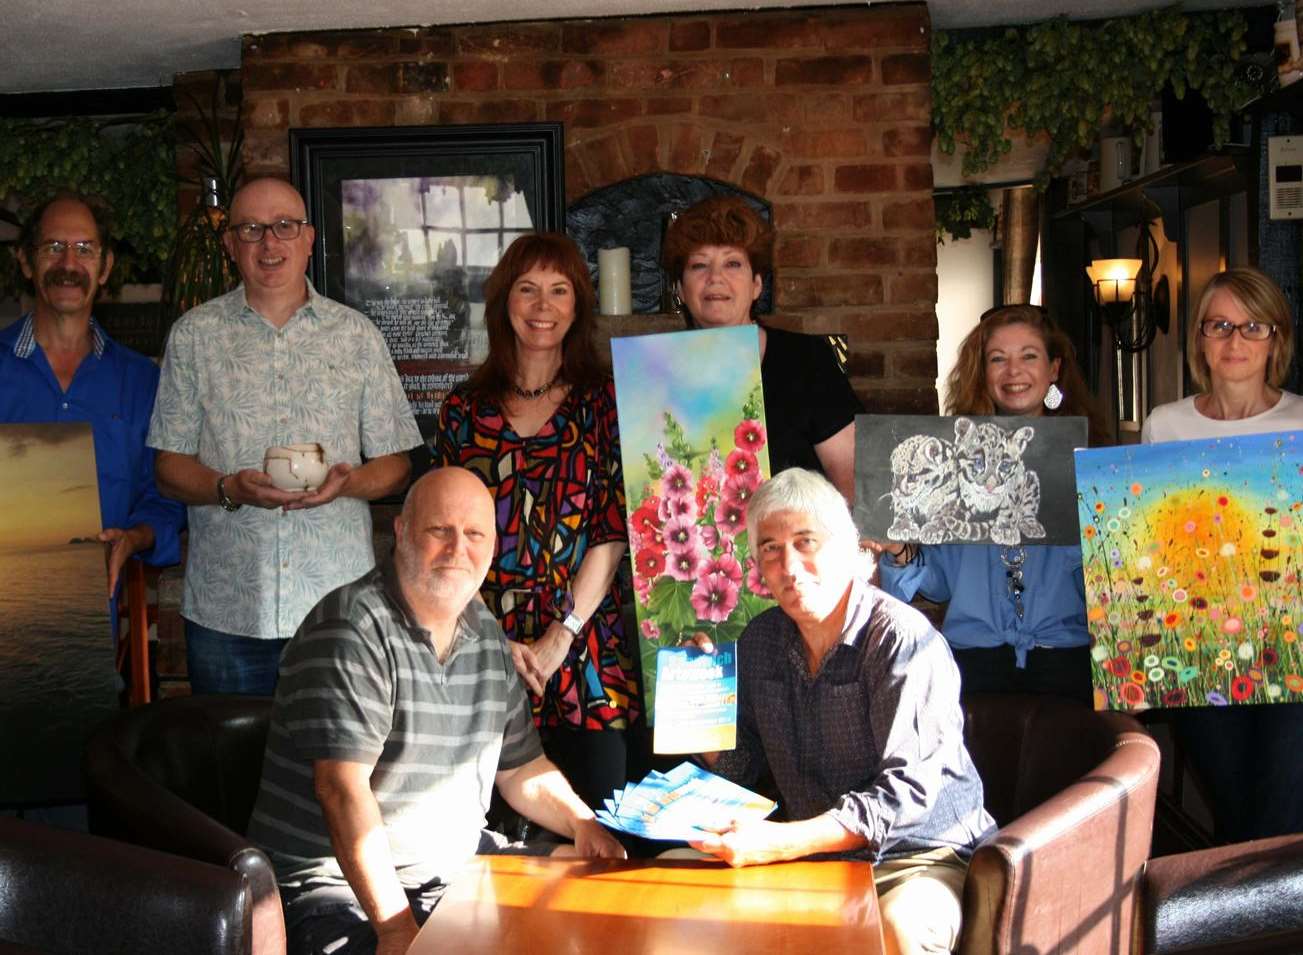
594, 841
746, 843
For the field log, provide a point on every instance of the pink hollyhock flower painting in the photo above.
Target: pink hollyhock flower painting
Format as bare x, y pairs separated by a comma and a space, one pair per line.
675, 506
730, 518
739, 493
707, 491
684, 564
741, 464
749, 435
680, 534
676, 481
694, 448
646, 519
725, 565
650, 562
714, 597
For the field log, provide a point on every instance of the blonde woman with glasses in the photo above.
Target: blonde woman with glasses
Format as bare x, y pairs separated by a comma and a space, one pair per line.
1239, 346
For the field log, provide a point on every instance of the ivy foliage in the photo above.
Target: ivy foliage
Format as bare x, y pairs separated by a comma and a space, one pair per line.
961, 211
130, 162
1062, 79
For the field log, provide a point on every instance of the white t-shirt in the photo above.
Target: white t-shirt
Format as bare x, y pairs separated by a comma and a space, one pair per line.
1180, 421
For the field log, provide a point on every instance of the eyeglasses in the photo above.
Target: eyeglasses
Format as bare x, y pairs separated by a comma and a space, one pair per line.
1249, 331
54, 249
284, 229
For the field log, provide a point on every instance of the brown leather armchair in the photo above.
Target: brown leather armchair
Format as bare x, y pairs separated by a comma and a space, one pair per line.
69, 892
1073, 793
1245, 898
180, 776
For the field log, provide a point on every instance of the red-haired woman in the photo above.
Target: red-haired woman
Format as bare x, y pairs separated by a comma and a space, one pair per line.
718, 250
537, 423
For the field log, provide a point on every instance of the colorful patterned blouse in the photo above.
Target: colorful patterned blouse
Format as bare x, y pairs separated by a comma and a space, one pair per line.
558, 493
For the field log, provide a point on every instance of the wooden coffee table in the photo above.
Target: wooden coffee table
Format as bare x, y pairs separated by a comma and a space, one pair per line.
503, 904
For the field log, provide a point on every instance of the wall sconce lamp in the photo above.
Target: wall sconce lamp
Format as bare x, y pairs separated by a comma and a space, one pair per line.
1126, 298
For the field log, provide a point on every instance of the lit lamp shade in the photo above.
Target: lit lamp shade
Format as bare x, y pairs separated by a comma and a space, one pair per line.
1114, 279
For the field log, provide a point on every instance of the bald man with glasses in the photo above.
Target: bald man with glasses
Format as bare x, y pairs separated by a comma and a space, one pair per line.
272, 363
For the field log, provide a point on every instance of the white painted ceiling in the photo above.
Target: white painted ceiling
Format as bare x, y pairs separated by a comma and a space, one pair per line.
60, 45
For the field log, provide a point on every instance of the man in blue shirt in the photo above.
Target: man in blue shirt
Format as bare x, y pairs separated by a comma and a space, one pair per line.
58, 365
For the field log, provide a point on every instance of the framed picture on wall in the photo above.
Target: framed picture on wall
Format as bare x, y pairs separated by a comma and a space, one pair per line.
411, 220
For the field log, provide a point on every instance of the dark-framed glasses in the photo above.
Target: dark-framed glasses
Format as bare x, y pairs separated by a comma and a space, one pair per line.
284, 229
1249, 331
54, 249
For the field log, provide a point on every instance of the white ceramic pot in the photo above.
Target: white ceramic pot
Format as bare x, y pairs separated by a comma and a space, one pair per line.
296, 467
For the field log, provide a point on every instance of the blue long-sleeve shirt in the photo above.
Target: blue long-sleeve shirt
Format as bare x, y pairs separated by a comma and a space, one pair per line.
112, 389
981, 610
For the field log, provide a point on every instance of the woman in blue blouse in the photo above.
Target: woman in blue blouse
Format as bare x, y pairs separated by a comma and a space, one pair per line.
1016, 619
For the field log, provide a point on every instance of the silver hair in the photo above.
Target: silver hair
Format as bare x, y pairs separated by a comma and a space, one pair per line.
809, 492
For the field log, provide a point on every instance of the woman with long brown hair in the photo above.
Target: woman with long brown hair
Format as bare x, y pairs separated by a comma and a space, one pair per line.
1016, 620
537, 423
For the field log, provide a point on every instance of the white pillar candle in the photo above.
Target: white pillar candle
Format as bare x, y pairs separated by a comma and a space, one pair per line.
614, 295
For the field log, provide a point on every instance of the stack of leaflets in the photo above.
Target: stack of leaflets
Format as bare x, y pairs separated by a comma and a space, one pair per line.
681, 805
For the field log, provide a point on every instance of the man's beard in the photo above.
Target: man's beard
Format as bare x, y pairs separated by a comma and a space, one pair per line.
444, 588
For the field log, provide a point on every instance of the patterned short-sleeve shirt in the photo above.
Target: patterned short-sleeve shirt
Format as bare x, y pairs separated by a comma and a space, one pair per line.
234, 385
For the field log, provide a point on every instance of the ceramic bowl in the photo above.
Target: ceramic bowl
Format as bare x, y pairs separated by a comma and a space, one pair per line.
296, 467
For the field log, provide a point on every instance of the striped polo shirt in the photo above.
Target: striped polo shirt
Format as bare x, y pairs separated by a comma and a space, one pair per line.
360, 681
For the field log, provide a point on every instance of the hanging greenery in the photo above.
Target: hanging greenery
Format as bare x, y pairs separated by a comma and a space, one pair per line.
130, 162
1062, 79
960, 211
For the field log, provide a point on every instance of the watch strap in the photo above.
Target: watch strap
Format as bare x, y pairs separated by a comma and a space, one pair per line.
223, 498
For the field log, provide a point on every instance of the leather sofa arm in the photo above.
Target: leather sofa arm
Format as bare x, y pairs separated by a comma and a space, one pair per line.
125, 803
71, 892
1246, 897
1065, 875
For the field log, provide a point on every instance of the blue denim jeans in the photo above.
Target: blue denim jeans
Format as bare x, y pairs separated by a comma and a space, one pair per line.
229, 663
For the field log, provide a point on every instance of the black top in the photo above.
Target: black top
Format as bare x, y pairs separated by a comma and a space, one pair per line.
808, 398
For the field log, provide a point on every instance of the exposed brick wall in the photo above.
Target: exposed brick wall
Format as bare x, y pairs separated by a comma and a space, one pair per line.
824, 113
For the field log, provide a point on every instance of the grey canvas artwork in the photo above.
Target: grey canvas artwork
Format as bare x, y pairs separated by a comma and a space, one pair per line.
967, 479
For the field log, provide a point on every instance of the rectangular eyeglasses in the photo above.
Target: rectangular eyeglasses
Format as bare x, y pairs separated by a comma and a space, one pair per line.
284, 229
1249, 331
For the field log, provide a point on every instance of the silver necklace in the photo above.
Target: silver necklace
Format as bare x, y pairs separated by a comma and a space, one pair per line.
1013, 559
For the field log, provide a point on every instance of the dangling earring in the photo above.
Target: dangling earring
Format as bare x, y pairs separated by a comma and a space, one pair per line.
1053, 397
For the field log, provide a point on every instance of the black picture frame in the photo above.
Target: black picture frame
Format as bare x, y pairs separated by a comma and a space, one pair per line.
395, 171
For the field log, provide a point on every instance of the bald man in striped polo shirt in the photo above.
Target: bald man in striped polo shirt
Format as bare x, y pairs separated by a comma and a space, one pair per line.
398, 709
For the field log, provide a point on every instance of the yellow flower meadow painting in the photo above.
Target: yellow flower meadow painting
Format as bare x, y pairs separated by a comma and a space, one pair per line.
1190, 556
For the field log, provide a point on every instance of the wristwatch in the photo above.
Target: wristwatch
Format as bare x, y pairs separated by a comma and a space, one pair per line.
574, 623
223, 498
